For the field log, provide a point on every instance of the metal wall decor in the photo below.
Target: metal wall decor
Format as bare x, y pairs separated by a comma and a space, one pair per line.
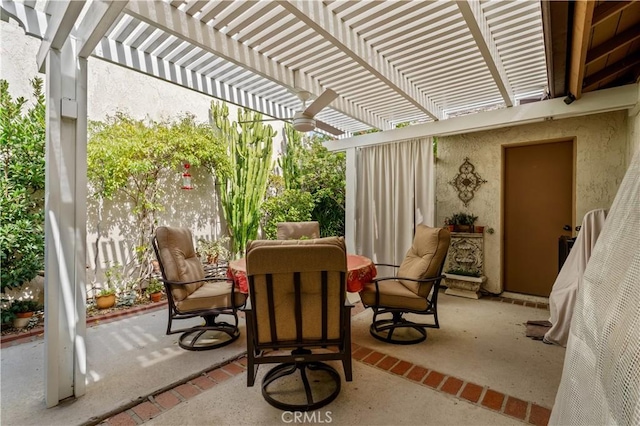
467, 181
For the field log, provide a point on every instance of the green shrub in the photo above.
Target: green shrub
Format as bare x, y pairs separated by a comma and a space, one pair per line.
22, 139
291, 205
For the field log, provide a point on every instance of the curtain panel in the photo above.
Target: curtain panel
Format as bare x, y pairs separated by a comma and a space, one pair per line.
395, 192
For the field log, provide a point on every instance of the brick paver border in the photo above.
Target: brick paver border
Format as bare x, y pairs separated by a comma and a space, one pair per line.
482, 396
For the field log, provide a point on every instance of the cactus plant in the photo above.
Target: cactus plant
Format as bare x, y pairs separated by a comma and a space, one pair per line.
250, 147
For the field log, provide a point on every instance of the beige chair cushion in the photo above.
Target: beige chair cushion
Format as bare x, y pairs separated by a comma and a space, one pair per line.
424, 258
282, 258
297, 230
393, 295
179, 260
211, 295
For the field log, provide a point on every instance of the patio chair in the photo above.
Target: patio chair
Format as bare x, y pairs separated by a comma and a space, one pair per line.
297, 230
296, 314
413, 289
191, 293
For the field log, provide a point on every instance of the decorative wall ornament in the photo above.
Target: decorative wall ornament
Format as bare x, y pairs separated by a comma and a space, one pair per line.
467, 181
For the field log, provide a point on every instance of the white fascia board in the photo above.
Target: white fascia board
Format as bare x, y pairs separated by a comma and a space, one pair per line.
163, 16
324, 22
600, 101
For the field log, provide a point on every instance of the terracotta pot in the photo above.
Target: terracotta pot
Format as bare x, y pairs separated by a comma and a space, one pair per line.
24, 314
105, 302
463, 228
450, 227
21, 322
155, 297
478, 229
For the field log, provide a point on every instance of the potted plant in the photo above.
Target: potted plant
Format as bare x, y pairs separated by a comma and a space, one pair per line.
463, 222
213, 251
106, 298
23, 310
154, 289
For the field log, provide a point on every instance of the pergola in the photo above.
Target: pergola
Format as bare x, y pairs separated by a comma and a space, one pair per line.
431, 64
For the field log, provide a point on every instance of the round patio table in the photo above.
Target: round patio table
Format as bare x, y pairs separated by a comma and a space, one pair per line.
361, 270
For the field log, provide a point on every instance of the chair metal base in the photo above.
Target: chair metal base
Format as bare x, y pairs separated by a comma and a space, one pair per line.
211, 335
406, 332
287, 369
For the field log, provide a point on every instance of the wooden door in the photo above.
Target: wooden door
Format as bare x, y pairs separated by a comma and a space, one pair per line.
538, 207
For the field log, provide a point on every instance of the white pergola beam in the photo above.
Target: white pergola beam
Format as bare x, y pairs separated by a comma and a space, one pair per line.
321, 19
163, 16
64, 15
600, 101
96, 23
479, 28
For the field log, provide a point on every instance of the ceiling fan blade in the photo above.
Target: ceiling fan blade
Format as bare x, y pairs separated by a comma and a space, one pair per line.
322, 101
328, 128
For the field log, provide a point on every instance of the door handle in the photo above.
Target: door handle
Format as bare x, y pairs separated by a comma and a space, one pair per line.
567, 227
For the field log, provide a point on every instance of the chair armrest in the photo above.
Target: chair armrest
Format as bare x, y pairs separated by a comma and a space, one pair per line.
387, 264
205, 279
418, 280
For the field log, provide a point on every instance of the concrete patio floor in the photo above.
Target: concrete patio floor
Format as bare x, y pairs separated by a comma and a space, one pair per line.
477, 369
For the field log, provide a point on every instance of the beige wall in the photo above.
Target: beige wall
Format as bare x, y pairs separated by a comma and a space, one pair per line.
601, 161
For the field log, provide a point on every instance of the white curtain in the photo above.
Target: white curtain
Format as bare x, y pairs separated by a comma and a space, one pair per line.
395, 192
601, 377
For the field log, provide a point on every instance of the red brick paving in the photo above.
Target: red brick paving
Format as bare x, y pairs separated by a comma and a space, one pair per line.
187, 391
361, 353
401, 368
493, 399
146, 410
203, 382
516, 407
539, 415
471, 392
167, 400
417, 373
387, 362
233, 369
218, 375
122, 419
452, 386
373, 358
434, 379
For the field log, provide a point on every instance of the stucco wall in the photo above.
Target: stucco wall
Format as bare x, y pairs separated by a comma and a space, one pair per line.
601, 161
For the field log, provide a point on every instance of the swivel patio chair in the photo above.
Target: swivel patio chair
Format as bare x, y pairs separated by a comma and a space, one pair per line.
296, 314
191, 293
414, 289
297, 230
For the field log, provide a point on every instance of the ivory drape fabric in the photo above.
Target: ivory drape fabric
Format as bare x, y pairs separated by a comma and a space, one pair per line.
565, 288
395, 192
601, 376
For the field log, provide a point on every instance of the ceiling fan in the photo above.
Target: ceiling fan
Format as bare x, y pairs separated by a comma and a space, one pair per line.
304, 121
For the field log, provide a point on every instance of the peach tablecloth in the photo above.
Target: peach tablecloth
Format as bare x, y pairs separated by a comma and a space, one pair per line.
361, 271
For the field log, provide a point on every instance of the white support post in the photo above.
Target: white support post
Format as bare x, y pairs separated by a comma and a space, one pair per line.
350, 200
65, 224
